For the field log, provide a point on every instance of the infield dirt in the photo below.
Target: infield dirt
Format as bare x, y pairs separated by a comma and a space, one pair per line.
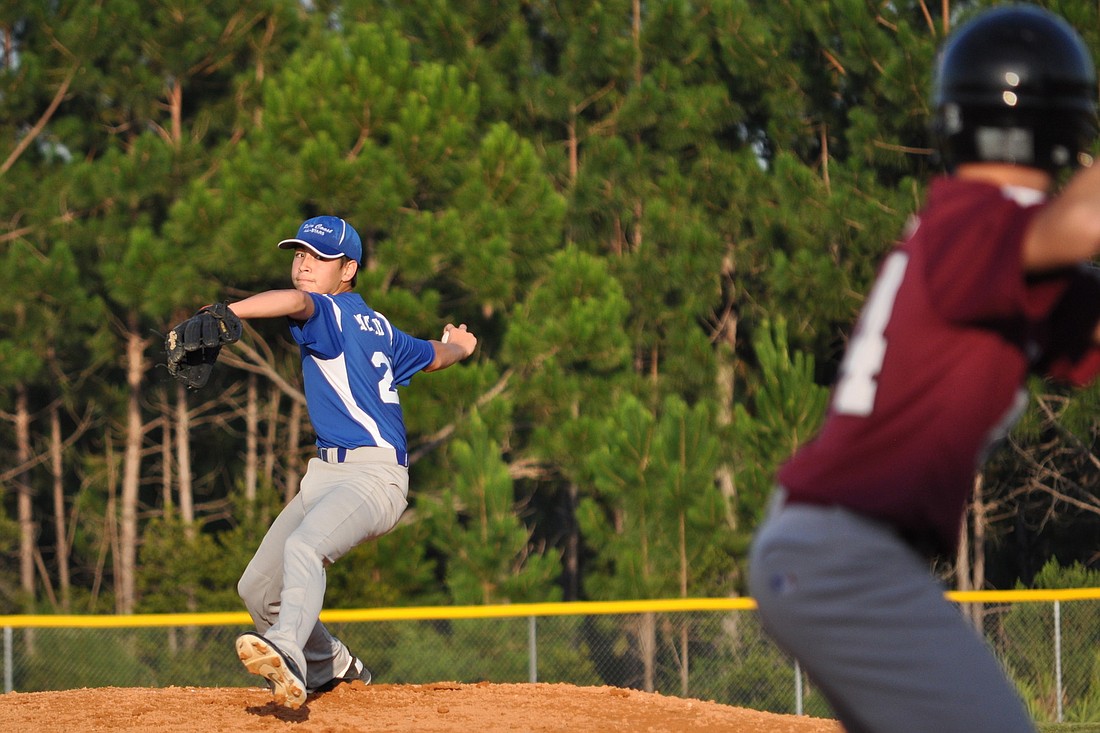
442, 707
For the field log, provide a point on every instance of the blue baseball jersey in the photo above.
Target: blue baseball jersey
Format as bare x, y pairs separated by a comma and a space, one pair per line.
353, 360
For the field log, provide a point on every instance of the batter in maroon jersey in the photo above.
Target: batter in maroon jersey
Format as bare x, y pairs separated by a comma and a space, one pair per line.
990, 284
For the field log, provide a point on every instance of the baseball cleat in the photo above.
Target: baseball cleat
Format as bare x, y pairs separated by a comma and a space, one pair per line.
356, 671
261, 657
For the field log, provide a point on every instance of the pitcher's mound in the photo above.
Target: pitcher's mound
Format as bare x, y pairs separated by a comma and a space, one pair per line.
436, 708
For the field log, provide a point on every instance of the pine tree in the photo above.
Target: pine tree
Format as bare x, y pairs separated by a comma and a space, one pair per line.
489, 554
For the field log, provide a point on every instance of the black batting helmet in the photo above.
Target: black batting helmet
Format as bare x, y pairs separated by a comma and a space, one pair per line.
1017, 85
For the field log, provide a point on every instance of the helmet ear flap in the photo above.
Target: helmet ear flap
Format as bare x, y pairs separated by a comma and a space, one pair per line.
1024, 138
945, 124
1015, 85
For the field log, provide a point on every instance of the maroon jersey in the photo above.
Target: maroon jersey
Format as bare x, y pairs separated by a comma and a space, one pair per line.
937, 365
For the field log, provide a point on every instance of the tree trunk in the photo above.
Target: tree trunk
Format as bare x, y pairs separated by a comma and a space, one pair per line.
962, 559
970, 557
573, 146
293, 440
636, 37
571, 563
647, 640
977, 552
271, 436
168, 461
647, 647
183, 457
725, 334
108, 543
682, 541
61, 532
684, 567
252, 440
131, 474
685, 667
572, 555
25, 511
25, 500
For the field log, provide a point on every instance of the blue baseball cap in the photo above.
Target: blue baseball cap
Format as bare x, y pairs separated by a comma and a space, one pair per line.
327, 237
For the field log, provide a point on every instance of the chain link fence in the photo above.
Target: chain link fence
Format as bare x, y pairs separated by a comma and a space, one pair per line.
709, 649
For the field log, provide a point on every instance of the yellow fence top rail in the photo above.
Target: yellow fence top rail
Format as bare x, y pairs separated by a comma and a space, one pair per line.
516, 610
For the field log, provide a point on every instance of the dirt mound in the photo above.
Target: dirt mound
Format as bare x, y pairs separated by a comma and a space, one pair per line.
439, 708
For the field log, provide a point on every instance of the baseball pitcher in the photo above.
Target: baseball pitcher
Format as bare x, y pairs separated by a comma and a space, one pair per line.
355, 489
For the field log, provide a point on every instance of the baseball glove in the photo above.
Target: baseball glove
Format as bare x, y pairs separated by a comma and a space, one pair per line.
193, 346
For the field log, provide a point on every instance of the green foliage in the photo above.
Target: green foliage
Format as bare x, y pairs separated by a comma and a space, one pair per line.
1051, 450
655, 514
489, 556
461, 650
11, 600
392, 570
761, 675
786, 409
568, 657
61, 654
475, 651
1030, 658
571, 320
182, 569
65, 658
659, 219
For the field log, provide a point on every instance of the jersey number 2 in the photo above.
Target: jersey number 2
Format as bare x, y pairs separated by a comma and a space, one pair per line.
855, 391
386, 390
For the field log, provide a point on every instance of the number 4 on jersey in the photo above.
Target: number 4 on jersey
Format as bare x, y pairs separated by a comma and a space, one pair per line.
855, 391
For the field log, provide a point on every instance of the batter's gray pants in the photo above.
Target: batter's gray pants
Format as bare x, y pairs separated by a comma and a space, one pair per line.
860, 610
339, 506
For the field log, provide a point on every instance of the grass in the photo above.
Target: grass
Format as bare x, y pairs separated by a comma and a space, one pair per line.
1069, 728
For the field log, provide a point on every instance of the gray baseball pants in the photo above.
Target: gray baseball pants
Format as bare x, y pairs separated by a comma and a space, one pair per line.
860, 610
339, 506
